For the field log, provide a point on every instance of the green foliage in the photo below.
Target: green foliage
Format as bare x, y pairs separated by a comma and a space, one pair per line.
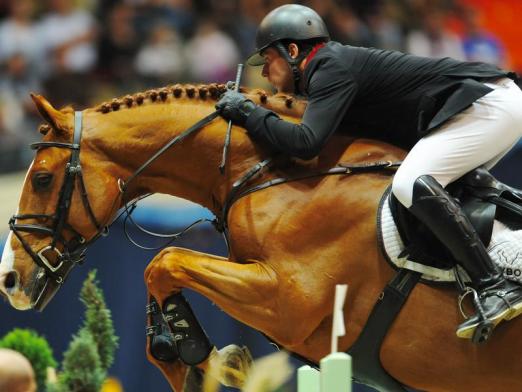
91, 352
82, 370
35, 348
98, 320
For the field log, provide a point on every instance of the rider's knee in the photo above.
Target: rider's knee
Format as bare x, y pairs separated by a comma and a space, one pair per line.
402, 188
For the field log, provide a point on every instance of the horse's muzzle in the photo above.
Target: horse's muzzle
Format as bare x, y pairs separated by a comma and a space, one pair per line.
43, 290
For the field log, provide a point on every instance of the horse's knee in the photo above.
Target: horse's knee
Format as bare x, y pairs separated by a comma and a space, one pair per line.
153, 264
165, 270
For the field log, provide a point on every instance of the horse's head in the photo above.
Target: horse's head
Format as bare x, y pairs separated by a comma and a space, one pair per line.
63, 207
70, 196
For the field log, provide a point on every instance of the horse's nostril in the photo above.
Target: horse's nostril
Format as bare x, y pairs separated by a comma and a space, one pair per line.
10, 280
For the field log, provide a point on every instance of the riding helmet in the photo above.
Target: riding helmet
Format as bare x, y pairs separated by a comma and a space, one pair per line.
287, 22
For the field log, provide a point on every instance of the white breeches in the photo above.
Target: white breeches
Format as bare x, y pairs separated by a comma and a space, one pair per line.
480, 135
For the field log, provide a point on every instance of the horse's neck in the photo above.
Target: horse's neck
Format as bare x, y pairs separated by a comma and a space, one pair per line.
189, 170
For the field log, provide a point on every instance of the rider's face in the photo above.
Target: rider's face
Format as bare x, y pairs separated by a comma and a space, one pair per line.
277, 71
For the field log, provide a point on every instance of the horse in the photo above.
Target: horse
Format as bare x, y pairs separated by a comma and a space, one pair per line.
289, 245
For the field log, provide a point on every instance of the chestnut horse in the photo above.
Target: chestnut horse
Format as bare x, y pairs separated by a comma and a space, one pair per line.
289, 244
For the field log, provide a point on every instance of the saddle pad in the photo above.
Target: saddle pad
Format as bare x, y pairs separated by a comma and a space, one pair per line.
505, 249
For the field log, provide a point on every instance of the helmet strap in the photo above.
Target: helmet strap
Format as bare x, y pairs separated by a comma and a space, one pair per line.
294, 65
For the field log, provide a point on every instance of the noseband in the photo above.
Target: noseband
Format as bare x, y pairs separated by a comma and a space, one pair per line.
73, 249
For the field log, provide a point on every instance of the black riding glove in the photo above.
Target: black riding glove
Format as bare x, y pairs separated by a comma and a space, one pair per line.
235, 106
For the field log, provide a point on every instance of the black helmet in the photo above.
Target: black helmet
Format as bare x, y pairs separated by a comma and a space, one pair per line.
293, 22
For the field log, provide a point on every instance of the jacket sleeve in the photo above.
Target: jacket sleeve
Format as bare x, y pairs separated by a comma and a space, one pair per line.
330, 93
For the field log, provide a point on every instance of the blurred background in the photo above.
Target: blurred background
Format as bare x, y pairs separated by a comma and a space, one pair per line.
87, 51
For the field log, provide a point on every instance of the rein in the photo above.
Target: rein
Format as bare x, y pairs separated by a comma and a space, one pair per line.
73, 250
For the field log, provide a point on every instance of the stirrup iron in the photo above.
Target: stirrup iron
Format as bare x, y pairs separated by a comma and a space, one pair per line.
484, 329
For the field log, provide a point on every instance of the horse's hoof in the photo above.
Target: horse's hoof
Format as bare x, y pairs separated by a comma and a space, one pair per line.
231, 365
161, 343
191, 340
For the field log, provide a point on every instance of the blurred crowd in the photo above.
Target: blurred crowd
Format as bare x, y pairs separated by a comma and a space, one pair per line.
81, 52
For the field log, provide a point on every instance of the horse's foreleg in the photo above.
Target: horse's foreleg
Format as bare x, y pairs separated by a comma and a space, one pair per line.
250, 292
247, 291
166, 275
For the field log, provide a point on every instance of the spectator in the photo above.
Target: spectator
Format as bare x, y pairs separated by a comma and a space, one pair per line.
252, 12
17, 120
349, 28
69, 36
177, 14
161, 58
478, 44
386, 32
118, 46
433, 40
18, 34
343, 24
212, 56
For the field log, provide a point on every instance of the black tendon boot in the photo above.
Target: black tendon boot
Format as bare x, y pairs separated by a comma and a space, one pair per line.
192, 343
161, 342
498, 299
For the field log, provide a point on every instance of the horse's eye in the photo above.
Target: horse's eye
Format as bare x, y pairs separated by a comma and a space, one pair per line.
42, 181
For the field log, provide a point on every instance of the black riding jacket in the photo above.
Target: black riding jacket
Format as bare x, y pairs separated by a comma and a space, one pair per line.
373, 93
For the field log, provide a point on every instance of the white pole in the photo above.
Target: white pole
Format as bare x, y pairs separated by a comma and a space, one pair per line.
336, 373
338, 328
308, 379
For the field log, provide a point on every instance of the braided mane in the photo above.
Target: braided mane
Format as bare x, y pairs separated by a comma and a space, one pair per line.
281, 103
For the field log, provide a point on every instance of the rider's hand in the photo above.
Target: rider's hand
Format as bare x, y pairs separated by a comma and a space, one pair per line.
235, 106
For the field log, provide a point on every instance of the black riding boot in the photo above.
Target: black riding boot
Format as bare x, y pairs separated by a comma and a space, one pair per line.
498, 299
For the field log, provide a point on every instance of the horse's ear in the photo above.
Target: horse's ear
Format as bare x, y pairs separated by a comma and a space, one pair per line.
54, 117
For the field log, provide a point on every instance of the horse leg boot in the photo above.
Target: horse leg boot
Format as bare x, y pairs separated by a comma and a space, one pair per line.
174, 332
161, 342
498, 299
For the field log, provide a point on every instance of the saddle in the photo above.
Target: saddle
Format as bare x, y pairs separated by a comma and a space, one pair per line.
483, 198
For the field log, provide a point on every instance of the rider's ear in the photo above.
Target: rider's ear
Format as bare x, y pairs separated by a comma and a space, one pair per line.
293, 50
54, 117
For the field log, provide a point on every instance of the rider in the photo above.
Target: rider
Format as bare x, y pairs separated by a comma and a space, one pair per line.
452, 116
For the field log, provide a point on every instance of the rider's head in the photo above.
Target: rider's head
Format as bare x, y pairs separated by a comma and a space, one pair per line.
284, 38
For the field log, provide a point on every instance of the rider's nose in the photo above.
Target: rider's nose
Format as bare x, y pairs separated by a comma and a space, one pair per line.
264, 71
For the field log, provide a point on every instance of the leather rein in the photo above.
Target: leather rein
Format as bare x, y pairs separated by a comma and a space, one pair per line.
73, 250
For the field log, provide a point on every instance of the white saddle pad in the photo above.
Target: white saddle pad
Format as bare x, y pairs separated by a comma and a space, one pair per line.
505, 249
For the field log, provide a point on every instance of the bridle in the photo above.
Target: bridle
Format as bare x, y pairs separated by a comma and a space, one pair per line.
50, 277
73, 249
